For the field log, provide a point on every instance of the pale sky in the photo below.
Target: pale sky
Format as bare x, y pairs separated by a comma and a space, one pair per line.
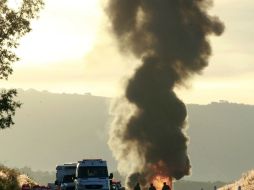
70, 50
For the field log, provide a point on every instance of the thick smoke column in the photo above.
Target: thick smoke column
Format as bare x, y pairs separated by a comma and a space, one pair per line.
170, 36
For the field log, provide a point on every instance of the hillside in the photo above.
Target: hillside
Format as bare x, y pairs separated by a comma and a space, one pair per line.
221, 139
246, 182
195, 185
54, 128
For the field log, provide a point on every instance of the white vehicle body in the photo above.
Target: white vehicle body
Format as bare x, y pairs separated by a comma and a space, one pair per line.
65, 175
92, 175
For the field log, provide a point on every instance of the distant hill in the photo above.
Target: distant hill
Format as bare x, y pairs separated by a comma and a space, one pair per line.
52, 129
221, 140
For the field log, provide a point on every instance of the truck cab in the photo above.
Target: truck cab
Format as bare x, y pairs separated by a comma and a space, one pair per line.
65, 176
92, 174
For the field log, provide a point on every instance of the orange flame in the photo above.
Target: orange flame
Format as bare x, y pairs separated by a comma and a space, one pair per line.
159, 180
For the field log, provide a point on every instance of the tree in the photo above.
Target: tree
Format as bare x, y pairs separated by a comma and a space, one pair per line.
14, 23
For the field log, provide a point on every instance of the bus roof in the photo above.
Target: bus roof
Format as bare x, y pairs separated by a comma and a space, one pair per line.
66, 165
92, 162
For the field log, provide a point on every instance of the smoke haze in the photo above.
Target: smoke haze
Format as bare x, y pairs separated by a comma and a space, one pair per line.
147, 136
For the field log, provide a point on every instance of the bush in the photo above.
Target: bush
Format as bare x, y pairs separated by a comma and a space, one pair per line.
8, 179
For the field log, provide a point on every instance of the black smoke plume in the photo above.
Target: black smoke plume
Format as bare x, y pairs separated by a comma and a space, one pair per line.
170, 36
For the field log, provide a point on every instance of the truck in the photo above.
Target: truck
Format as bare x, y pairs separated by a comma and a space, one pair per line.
92, 174
65, 176
116, 185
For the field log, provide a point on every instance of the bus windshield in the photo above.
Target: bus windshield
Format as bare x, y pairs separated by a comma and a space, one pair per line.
92, 171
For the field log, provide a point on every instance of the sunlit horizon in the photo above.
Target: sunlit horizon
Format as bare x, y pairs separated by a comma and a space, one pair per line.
71, 50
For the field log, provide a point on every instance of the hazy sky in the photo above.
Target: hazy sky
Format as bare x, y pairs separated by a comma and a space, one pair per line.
70, 50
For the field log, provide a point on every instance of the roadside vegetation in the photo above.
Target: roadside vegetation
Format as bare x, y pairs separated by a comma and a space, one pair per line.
12, 179
246, 182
